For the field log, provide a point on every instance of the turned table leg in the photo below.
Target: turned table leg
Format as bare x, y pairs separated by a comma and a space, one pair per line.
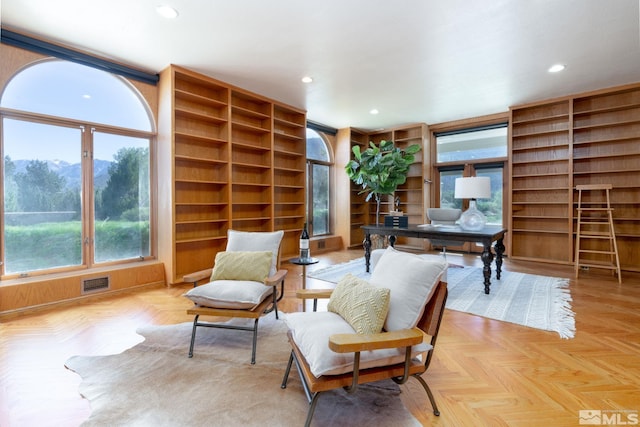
499, 248
487, 258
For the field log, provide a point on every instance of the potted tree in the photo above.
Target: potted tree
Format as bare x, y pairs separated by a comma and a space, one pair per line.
379, 170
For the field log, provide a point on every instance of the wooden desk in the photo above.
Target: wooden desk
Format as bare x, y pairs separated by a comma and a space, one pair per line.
486, 236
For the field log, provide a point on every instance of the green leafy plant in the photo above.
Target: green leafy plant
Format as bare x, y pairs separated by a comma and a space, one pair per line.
379, 170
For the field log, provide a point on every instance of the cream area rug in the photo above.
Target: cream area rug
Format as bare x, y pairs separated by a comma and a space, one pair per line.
155, 384
535, 301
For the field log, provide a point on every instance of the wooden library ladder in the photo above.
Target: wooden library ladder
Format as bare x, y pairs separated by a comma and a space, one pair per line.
595, 225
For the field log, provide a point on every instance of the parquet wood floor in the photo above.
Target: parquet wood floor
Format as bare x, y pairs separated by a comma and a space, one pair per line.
484, 372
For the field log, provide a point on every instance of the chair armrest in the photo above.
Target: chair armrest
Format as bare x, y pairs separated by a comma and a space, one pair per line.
197, 276
276, 278
350, 343
313, 293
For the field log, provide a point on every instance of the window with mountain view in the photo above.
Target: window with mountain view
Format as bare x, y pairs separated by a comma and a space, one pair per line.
476, 151
76, 170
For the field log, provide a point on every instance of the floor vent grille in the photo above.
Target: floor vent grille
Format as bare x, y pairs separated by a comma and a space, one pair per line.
95, 284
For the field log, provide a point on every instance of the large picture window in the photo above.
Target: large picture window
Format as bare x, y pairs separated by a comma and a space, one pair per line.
472, 144
477, 151
76, 170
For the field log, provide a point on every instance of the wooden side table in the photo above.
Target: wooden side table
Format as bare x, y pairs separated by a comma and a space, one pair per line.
304, 263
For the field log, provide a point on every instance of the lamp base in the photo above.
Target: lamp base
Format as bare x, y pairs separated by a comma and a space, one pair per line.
472, 219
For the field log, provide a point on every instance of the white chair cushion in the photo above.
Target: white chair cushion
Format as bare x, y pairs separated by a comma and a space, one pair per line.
412, 280
238, 294
256, 241
311, 332
376, 254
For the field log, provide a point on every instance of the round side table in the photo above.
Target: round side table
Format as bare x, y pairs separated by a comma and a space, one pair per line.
304, 263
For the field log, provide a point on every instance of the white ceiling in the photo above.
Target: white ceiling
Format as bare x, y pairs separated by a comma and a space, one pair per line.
414, 60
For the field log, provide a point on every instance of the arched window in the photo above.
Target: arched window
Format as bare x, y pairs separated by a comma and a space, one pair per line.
319, 166
76, 170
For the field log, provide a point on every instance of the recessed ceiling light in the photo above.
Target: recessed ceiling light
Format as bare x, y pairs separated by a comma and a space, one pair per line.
167, 12
86, 96
307, 79
556, 68
374, 111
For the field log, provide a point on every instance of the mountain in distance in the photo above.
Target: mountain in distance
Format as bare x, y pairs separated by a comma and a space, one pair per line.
71, 171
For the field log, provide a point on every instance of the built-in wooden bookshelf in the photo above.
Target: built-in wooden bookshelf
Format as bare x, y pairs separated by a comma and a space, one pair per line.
606, 150
385, 200
289, 168
410, 196
227, 158
541, 184
590, 138
358, 207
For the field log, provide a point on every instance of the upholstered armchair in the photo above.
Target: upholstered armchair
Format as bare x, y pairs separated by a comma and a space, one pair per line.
382, 329
245, 282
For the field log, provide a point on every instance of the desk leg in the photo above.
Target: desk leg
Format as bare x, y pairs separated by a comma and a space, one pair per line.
487, 257
499, 248
367, 249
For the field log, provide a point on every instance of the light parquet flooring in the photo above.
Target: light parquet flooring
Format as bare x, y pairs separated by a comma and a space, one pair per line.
484, 372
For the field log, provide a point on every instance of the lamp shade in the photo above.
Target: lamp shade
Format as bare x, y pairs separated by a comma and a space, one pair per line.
477, 187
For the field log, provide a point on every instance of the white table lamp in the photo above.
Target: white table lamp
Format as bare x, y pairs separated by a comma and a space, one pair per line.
477, 187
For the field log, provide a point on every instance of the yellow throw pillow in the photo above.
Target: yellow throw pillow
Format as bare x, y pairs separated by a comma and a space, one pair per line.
363, 306
241, 265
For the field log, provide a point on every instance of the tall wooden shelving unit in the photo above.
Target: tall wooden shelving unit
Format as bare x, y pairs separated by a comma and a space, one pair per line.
606, 150
193, 174
410, 194
385, 201
289, 168
251, 174
541, 184
591, 138
227, 158
358, 207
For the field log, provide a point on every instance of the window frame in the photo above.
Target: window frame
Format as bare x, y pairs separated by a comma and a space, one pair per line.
469, 167
309, 187
86, 176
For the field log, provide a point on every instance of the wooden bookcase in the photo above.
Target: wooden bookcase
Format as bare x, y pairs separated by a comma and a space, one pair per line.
410, 195
541, 187
227, 158
251, 173
606, 150
289, 168
385, 200
358, 207
591, 138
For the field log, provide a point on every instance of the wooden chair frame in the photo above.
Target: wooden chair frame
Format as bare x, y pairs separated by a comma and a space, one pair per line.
265, 307
429, 324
